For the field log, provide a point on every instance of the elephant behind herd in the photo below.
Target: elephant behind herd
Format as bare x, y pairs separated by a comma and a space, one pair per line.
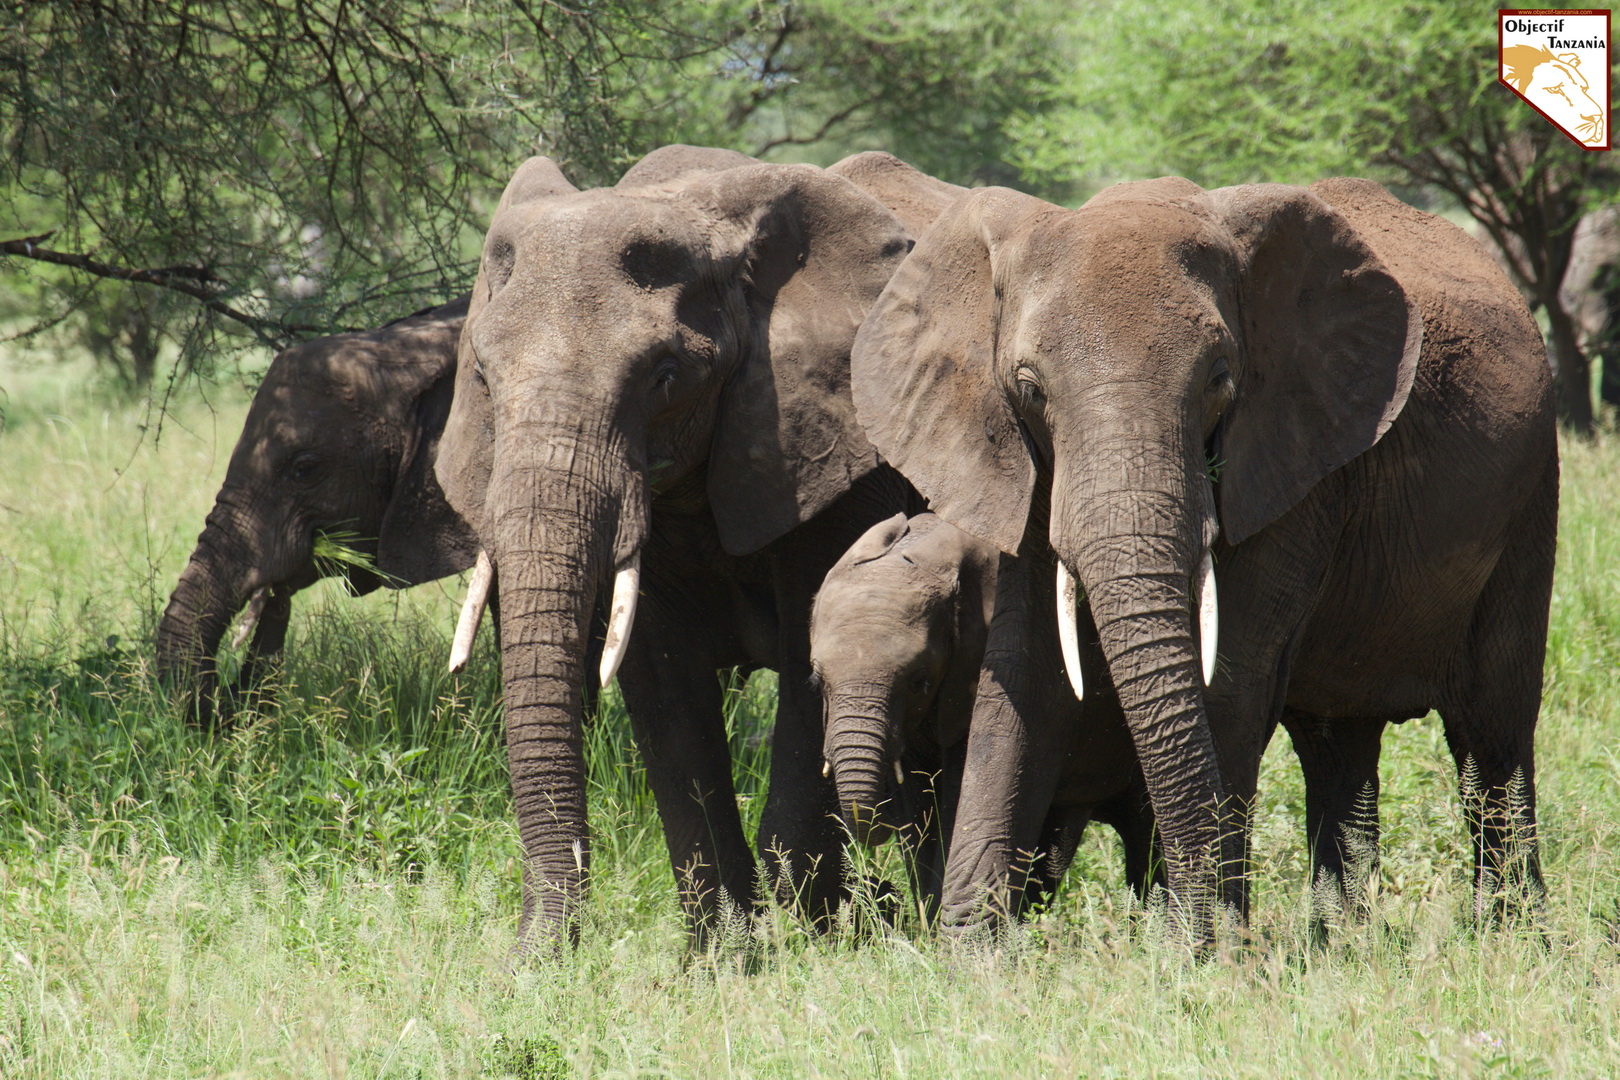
698, 389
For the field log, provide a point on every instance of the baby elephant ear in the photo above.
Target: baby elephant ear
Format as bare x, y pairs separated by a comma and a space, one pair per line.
924, 377
537, 178
811, 252
1329, 342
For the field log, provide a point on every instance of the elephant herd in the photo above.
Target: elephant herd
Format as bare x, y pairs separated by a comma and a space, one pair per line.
1041, 515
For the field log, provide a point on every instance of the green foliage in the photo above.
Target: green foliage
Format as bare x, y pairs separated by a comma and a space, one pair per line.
1242, 91
289, 168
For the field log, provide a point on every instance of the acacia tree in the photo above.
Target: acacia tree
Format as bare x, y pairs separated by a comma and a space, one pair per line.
296, 167
1242, 90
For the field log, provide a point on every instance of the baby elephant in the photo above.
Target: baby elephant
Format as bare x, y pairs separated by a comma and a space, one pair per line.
897, 635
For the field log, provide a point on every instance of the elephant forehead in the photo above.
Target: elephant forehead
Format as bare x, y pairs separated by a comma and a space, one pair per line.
847, 648
1094, 281
593, 236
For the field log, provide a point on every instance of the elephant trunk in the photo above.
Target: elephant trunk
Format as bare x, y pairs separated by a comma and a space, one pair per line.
214, 586
1135, 529
862, 756
552, 539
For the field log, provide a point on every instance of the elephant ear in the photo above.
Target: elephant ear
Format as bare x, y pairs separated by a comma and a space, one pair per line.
924, 378
911, 195
465, 453
421, 538
1329, 345
811, 253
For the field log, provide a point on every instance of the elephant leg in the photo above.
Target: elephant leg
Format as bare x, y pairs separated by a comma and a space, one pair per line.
801, 838
930, 795
1061, 834
673, 695
264, 649
1340, 761
1269, 587
1609, 386
1490, 708
1131, 815
1017, 747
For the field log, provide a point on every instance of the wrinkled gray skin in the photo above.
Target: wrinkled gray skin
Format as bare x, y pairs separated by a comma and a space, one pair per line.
659, 372
340, 437
897, 637
1383, 523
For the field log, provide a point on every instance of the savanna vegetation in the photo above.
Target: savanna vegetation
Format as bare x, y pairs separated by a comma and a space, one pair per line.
331, 888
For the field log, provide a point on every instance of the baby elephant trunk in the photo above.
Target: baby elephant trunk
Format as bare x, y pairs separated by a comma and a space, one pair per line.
862, 751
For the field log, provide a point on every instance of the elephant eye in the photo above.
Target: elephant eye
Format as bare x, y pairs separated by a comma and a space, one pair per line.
304, 467
919, 683
1029, 387
664, 373
1219, 395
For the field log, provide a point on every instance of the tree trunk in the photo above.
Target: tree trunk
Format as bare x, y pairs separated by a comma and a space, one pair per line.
1572, 369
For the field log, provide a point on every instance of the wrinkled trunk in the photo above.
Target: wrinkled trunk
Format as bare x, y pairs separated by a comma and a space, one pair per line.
213, 587
862, 756
553, 518
1132, 523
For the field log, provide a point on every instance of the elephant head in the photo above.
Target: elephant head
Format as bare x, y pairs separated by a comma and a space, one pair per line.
686, 341
340, 438
895, 640
1172, 363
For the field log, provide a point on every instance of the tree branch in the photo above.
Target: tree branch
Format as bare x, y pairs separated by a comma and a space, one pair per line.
182, 279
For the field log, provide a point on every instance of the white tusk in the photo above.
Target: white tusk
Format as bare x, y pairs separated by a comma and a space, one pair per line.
1068, 633
899, 777
472, 612
621, 616
1209, 617
826, 768
255, 608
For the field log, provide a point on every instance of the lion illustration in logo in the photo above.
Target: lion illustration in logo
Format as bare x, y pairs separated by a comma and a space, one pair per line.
1555, 85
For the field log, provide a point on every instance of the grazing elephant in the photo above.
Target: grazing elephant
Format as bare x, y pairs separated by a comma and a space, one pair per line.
1591, 294
339, 439
1338, 400
653, 394
897, 637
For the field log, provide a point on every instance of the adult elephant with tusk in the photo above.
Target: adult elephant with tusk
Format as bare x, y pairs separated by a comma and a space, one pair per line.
653, 399
1333, 402
340, 439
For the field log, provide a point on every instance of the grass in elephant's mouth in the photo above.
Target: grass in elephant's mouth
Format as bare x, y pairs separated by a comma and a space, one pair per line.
331, 889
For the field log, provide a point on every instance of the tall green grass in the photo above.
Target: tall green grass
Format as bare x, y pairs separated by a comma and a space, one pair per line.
331, 889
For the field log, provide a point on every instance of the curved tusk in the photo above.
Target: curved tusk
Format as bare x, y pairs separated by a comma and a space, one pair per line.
1209, 617
899, 777
1068, 633
472, 611
621, 616
826, 768
260, 597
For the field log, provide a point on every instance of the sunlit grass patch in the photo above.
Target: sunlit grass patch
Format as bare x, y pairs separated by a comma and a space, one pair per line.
331, 888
